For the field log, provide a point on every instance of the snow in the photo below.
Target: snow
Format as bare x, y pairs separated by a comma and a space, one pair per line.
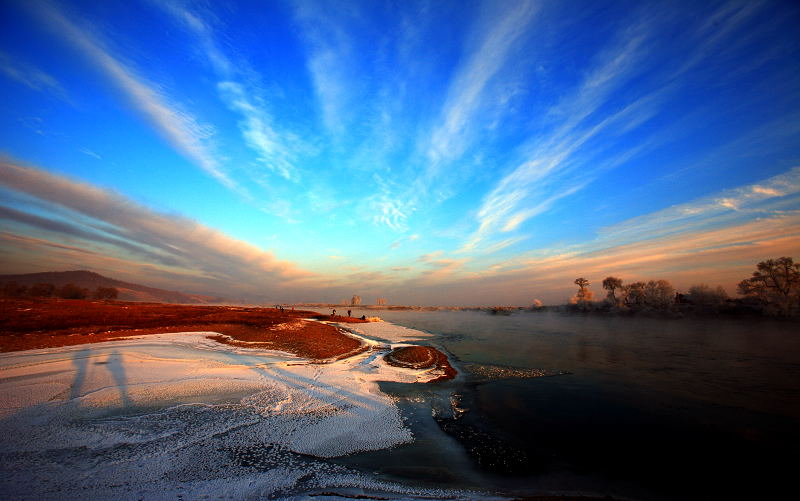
168, 414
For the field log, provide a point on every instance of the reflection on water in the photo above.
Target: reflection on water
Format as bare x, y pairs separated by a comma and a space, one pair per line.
651, 408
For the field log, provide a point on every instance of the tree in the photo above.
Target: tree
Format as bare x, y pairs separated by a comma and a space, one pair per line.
611, 284
106, 293
633, 294
381, 301
356, 300
659, 294
775, 284
583, 295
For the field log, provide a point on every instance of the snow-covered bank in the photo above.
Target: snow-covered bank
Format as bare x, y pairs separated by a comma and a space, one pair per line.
170, 414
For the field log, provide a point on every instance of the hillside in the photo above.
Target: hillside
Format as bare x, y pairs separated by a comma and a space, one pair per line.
127, 291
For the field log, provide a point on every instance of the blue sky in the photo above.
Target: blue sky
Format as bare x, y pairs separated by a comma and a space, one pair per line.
428, 152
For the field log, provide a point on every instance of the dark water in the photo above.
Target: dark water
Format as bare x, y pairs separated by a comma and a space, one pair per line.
650, 408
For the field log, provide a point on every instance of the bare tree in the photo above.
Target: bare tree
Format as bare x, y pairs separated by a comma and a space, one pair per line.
356, 300
381, 301
776, 282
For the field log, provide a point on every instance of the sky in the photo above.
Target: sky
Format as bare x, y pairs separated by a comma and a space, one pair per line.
432, 153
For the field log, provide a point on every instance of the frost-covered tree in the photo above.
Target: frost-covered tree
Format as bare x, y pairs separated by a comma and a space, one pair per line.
583, 295
659, 294
632, 295
704, 296
776, 284
611, 284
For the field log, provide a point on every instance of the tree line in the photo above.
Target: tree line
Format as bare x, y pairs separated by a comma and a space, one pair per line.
66, 291
773, 289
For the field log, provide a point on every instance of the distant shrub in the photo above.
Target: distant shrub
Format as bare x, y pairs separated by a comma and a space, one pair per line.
72, 291
106, 293
13, 289
42, 290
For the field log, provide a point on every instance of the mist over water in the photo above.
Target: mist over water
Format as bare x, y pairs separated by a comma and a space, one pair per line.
648, 408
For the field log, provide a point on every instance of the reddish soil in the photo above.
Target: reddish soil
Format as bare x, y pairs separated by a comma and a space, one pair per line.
421, 357
30, 323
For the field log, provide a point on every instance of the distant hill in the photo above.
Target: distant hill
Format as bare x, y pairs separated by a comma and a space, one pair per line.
127, 291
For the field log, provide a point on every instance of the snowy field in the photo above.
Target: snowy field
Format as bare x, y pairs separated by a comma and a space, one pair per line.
169, 415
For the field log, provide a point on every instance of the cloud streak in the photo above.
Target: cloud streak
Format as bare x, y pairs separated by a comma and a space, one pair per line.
31, 76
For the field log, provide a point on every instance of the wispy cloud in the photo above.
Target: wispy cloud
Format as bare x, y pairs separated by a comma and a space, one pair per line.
500, 33
31, 76
183, 131
330, 57
88, 152
566, 159
117, 227
277, 150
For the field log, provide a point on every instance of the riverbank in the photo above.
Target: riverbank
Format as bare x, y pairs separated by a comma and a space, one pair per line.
27, 324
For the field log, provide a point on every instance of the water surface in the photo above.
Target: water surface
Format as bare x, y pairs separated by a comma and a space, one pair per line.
651, 408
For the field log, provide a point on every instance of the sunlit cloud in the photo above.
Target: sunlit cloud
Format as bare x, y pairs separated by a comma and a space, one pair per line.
117, 227
466, 153
431, 256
